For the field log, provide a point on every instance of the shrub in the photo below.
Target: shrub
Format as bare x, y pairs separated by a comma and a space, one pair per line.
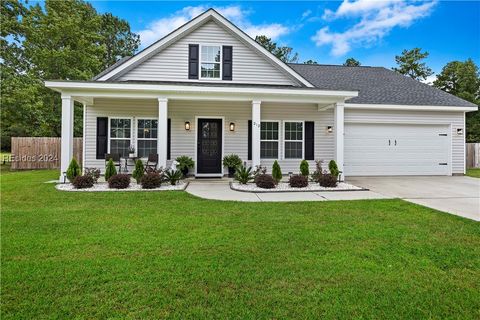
332, 166
119, 181
304, 169
92, 172
328, 180
73, 170
82, 182
184, 163
139, 170
276, 172
232, 161
260, 170
317, 174
173, 176
243, 174
298, 181
110, 170
151, 180
265, 181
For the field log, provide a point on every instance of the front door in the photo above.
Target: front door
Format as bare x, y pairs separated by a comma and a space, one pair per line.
209, 146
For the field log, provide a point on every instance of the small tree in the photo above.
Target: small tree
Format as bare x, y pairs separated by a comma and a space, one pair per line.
410, 64
276, 172
332, 166
304, 169
110, 170
139, 170
73, 170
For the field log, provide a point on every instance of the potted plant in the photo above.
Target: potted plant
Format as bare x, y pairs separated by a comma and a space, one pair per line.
232, 161
131, 151
184, 164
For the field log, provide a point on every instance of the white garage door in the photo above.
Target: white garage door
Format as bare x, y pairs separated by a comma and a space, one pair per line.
396, 149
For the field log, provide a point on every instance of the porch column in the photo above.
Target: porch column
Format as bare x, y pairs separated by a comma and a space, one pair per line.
339, 133
67, 135
162, 132
256, 132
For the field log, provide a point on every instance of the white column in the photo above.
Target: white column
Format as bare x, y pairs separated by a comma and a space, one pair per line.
256, 133
162, 132
339, 134
67, 135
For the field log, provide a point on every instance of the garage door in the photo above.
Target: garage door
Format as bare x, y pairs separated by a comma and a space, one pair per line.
396, 149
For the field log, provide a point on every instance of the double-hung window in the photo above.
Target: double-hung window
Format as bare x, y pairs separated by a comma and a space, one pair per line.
269, 140
120, 135
293, 140
147, 130
210, 62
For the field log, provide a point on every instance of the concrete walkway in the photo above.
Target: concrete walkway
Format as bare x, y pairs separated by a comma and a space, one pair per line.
220, 190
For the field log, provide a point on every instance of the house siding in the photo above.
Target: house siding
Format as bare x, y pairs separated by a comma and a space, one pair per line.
455, 119
171, 64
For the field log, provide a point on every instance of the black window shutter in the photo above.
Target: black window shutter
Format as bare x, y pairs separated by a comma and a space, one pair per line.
227, 62
249, 139
193, 61
169, 134
102, 137
309, 140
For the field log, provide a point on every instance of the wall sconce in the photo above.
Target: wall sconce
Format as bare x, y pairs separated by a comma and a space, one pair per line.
232, 126
329, 129
187, 125
459, 131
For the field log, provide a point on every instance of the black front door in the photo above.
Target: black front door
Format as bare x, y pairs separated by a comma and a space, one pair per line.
209, 146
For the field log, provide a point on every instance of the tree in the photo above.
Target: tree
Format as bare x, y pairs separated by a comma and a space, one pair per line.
410, 64
462, 79
352, 62
310, 62
283, 53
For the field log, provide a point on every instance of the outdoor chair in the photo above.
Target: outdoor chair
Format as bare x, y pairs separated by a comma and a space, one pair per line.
116, 160
152, 162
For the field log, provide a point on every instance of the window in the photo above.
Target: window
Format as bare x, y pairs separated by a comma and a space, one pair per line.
269, 140
210, 57
120, 136
147, 130
293, 140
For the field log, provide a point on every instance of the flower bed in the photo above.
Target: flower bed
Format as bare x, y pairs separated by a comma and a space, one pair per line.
285, 187
103, 187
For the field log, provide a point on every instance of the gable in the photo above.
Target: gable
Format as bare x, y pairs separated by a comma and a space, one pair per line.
171, 63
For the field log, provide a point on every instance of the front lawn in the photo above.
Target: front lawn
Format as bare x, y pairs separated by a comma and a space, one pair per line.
473, 172
171, 255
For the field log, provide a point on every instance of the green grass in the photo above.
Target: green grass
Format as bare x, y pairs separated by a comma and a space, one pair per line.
171, 255
474, 172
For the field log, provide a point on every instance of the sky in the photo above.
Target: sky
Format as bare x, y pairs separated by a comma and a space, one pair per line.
328, 32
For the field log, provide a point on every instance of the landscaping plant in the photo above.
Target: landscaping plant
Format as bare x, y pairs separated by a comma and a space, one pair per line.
259, 169
328, 180
119, 181
265, 181
332, 166
232, 162
276, 172
298, 181
110, 170
184, 163
83, 182
173, 176
244, 175
304, 169
73, 170
317, 174
139, 171
152, 180
92, 172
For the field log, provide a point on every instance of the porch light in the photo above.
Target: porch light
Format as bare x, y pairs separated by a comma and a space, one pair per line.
187, 125
329, 129
459, 131
232, 126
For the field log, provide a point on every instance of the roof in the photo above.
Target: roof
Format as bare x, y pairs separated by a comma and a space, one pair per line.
113, 66
377, 85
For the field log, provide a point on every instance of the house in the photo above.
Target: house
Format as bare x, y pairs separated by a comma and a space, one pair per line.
207, 90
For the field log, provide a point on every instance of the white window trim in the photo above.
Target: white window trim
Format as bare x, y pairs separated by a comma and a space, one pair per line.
200, 61
302, 141
136, 134
131, 130
278, 140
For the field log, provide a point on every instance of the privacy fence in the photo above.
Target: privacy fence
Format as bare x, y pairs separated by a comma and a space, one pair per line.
473, 155
40, 153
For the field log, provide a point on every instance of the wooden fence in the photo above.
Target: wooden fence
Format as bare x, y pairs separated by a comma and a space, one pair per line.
40, 153
473, 155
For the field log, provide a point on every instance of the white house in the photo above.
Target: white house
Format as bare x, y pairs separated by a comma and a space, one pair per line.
207, 90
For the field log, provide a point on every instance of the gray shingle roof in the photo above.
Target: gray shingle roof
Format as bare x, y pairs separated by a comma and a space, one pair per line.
377, 85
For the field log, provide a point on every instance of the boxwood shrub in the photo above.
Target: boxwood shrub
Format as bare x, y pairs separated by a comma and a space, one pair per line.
119, 181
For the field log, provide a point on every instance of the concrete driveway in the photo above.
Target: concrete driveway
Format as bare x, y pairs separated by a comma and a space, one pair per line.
456, 195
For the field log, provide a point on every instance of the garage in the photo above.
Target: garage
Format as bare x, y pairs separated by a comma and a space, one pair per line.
397, 149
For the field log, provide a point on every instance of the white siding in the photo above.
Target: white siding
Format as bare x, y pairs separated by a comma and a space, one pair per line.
455, 119
171, 64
